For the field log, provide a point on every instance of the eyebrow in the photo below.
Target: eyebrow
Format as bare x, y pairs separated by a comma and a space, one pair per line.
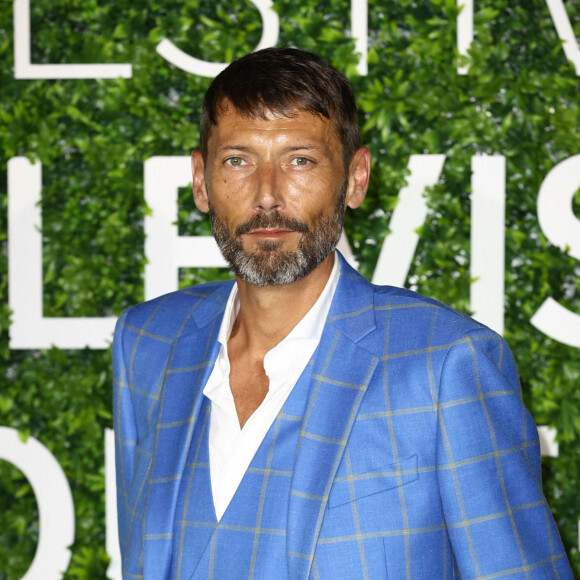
233, 147
290, 148
306, 148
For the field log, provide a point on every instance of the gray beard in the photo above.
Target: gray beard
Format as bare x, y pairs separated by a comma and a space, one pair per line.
268, 264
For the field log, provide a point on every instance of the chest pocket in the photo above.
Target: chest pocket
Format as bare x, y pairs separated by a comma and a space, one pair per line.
353, 487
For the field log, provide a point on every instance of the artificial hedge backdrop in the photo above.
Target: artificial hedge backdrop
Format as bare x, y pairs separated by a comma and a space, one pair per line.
520, 100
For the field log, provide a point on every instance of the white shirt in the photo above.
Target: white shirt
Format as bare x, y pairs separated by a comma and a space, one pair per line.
231, 449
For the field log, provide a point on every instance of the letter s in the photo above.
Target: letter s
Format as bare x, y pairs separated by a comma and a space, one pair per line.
562, 228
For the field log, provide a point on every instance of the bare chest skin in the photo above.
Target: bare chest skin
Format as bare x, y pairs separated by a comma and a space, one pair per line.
270, 321
248, 382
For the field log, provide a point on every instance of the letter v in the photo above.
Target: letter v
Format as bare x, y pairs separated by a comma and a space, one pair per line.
410, 212
565, 32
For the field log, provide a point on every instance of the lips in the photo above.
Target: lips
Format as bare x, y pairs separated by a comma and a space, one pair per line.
270, 232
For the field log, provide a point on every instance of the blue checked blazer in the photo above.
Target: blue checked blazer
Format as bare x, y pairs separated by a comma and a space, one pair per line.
416, 458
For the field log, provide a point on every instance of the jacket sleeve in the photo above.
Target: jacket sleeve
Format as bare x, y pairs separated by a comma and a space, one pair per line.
489, 467
125, 434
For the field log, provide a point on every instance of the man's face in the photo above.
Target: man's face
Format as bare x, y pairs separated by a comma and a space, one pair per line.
276, 191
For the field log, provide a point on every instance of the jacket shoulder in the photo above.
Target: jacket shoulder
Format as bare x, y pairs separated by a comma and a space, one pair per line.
417, 316
401, 309
396, 319
398, 299
178, 312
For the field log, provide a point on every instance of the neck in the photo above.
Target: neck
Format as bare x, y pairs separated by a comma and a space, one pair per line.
268, 314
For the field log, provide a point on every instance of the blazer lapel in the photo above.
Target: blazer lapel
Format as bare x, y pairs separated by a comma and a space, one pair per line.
341, 374
190, 363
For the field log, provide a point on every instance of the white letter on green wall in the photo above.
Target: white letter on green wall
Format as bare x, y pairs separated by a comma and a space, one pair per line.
195, 66
54, 499
562, 228
29, 328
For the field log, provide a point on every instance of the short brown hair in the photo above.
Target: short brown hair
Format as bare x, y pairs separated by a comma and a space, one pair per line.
283, 81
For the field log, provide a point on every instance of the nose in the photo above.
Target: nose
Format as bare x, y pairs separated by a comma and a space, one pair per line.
267, 197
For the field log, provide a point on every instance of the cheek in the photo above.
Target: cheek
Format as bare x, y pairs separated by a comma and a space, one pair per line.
313, 196
230, 186
228, 210
308, 181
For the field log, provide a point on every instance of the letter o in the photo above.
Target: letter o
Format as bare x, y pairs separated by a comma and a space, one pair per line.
54, 499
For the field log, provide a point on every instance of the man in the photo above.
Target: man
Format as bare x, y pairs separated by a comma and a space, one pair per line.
300, 422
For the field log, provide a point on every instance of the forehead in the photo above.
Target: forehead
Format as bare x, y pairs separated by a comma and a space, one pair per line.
301, 126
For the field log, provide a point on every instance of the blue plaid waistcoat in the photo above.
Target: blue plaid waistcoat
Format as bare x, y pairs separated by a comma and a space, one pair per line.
250, 539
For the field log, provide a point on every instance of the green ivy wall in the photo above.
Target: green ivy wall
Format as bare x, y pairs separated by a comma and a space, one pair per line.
520, 100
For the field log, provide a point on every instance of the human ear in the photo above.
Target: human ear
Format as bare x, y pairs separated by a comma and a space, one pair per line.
199, 189
359, 171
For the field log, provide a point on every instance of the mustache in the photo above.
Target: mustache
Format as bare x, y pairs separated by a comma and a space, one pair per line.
271, 221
